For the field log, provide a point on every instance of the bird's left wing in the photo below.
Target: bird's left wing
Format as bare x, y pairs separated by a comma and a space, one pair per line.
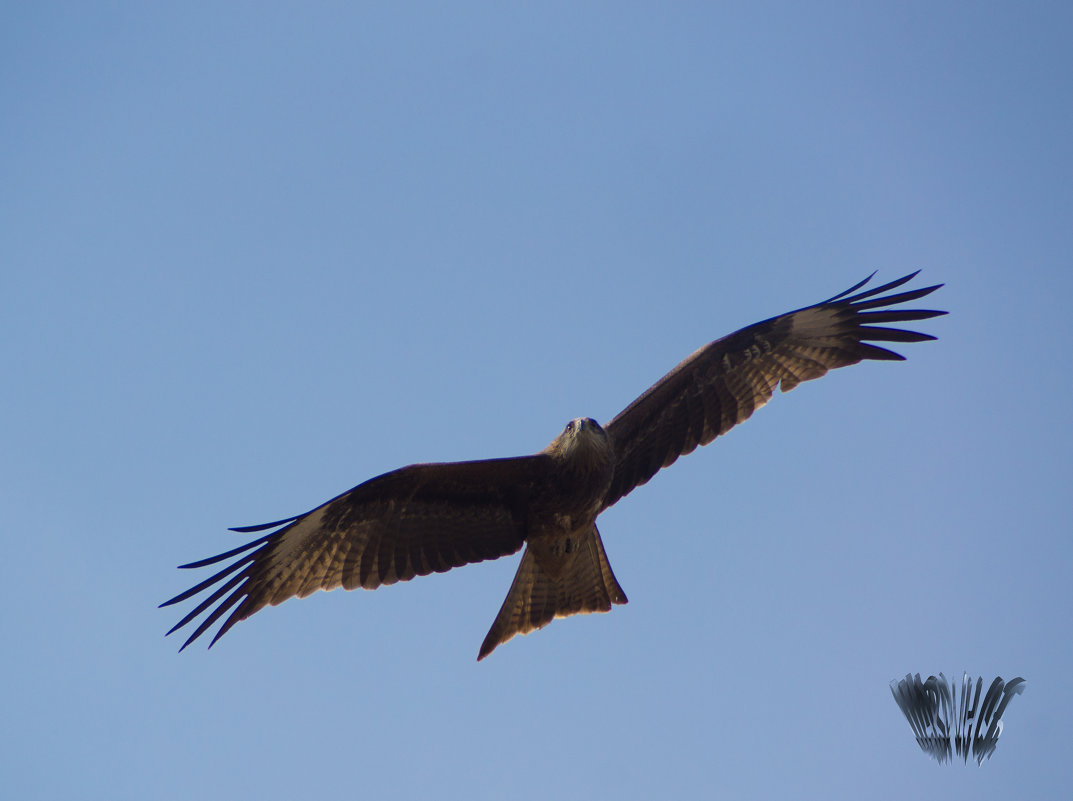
422, 519
724, 382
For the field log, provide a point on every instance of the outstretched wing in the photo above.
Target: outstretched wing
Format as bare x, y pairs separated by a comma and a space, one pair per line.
724, 382
421, 519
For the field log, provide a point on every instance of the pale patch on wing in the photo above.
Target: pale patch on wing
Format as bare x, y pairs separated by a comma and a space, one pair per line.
814, 323
289, 550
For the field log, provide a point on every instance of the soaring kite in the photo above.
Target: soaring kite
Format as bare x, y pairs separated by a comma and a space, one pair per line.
429, 518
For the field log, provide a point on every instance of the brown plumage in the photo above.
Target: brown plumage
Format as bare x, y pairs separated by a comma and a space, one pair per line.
429, 518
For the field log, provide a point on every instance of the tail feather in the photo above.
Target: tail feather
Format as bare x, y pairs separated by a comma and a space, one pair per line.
536, 598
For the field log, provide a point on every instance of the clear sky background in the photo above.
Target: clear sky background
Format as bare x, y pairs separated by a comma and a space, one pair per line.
252, 254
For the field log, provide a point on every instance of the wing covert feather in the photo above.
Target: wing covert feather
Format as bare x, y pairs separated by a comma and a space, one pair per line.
421, 519
724, 382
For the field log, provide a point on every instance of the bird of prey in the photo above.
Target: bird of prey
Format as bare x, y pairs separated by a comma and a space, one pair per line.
429, 518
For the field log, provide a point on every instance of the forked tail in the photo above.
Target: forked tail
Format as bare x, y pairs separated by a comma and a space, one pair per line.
586, 584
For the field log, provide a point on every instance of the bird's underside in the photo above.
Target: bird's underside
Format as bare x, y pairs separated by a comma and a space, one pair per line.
429, 518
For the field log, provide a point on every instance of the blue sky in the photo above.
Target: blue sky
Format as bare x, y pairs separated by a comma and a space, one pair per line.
252, 254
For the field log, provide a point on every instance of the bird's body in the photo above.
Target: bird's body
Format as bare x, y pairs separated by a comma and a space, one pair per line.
564, 570
563, 511
432, 517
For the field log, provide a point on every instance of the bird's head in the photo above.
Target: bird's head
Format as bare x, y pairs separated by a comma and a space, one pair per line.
582, 438
580, 425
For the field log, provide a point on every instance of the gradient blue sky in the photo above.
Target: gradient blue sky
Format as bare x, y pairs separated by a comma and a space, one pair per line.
252, 254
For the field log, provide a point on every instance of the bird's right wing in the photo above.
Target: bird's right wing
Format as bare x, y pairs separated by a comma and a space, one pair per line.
422, 519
